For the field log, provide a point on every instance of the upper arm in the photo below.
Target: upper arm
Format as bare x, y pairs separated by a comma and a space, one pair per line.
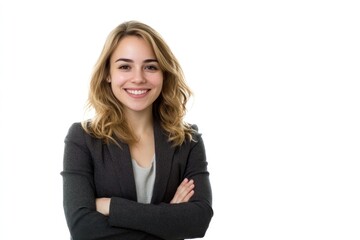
197, 169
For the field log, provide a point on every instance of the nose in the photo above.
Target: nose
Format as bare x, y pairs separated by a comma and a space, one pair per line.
138, 76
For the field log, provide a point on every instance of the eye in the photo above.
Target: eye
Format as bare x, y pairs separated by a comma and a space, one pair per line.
152, 68
124, 67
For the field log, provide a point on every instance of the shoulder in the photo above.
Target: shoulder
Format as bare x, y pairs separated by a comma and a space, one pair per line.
194, 127
196, 146
75, 130
195, 131
77, 134
196, 135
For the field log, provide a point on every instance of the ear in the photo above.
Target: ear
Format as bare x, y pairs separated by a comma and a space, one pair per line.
108, 79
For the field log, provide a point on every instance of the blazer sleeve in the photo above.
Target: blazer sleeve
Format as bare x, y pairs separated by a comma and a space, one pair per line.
172, 221
83, 220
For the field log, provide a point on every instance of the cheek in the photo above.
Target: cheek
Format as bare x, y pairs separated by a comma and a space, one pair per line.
158, 81
159, 87
118, 80
117, 85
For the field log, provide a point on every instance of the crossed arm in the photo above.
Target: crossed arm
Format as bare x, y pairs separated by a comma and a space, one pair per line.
183, 194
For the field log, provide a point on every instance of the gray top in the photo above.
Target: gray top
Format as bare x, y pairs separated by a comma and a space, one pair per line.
144, 181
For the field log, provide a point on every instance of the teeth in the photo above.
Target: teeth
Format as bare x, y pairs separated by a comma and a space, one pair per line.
136, 92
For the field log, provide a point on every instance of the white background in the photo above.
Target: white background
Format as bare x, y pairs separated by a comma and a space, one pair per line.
277, 99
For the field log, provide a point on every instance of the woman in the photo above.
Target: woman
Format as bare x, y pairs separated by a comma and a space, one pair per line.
136, 170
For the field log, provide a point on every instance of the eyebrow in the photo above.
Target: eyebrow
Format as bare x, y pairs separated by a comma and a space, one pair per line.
129, 60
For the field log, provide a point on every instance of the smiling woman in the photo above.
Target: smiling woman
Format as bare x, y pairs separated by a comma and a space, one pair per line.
131, 171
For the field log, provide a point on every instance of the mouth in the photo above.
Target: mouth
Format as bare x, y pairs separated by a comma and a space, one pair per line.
137, 92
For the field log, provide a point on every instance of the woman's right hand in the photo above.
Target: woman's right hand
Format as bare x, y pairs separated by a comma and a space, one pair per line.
184, 192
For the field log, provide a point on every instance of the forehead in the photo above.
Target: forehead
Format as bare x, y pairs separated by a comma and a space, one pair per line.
133, 47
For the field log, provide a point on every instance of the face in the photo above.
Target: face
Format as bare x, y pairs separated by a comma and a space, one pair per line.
135, 76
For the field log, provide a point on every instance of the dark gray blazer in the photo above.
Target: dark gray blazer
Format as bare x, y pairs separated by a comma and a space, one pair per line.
93, 169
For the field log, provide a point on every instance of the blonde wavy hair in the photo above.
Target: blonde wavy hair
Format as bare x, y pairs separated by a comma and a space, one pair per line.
169, 108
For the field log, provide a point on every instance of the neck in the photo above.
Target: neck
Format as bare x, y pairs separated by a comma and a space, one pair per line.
140, 122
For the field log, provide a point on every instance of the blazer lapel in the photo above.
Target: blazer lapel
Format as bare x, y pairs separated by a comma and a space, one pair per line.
164, 155
121, 158
122, 162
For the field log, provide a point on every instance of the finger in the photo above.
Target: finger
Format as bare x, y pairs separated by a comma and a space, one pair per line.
182, 196
183, 189
188, 196
183, 183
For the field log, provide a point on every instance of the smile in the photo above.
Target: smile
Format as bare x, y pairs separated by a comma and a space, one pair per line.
137, 92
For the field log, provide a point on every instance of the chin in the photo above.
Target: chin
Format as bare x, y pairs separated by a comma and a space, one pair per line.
139, 108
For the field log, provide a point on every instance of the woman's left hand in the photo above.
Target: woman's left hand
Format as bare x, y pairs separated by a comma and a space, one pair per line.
103, 205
